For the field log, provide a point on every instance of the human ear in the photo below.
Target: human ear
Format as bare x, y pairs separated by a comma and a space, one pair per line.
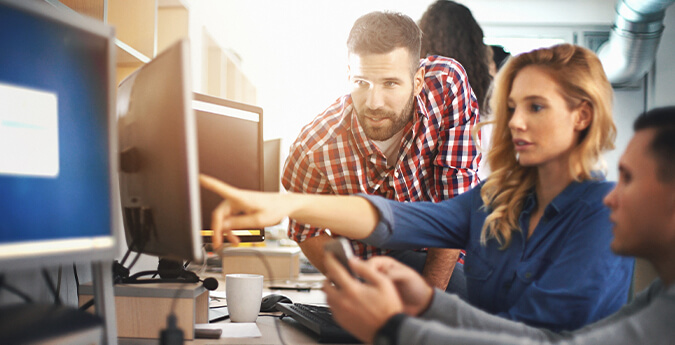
584, 116
418, 80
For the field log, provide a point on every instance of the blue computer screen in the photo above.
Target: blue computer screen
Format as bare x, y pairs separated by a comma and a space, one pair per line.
54, 139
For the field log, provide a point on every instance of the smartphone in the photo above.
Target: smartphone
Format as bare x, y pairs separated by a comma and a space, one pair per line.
342, 250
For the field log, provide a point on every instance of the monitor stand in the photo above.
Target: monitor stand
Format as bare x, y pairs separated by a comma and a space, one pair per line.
104, 299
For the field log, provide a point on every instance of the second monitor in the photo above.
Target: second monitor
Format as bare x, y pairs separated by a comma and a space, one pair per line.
230, 149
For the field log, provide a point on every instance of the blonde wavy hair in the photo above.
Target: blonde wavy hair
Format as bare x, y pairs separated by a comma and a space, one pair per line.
580, 78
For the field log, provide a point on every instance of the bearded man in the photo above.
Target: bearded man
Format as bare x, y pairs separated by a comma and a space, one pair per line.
403, 132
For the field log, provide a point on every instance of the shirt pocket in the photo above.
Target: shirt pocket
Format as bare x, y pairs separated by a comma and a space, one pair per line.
476, 269
532, 270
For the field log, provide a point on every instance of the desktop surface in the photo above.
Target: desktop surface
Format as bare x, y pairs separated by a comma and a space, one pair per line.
292, 331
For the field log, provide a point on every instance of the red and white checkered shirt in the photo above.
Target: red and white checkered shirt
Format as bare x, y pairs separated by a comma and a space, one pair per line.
437, 159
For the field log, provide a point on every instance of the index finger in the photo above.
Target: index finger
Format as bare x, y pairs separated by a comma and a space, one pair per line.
217, 219
221, 188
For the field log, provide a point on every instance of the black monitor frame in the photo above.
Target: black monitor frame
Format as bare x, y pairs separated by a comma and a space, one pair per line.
228, 154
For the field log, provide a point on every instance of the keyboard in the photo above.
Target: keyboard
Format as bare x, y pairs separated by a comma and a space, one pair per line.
319, 320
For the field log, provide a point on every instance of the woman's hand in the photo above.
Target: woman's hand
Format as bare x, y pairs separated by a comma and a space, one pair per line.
241, 210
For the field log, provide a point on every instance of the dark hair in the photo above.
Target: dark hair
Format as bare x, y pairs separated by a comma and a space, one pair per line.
499, 55
382, 32
450, 30
662, 121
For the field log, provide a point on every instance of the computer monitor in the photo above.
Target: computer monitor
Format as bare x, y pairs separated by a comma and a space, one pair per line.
230, 149
159, 183
58, 199
272, 164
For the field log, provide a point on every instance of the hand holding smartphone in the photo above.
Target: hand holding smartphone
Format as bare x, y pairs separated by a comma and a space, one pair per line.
342, 250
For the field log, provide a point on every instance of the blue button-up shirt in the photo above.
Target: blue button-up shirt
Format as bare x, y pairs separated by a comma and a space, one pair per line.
561, 278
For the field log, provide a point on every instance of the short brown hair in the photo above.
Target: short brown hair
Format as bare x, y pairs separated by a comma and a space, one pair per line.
382, 32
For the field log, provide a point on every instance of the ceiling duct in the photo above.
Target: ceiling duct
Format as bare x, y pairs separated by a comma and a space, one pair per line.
631, 49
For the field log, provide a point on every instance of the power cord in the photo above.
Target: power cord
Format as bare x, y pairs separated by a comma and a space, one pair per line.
50, 284
77, 280
172, 335
4, 285
277, 320
58, 286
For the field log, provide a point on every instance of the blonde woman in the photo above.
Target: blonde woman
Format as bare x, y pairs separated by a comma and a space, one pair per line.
536, 232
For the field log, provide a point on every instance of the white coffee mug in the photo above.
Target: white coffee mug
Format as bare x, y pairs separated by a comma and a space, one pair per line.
243, 293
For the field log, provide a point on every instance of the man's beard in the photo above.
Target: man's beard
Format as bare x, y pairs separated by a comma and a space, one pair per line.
398, 121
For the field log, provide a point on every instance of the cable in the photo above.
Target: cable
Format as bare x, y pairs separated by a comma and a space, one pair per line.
277, 320
133, 262
126, 255
87, 305
77, 280
172, 276
14, 290
50, 284
172, 334
58, 284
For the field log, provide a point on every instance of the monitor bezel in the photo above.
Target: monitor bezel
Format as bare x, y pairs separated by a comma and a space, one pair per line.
50, 253
199, 97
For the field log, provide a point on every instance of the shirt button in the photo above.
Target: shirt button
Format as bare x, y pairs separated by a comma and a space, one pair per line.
528, 275
396, 173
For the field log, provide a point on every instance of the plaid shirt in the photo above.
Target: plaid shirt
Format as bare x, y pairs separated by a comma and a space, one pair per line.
437, 159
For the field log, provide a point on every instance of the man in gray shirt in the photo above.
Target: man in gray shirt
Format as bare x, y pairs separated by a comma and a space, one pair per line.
395, 306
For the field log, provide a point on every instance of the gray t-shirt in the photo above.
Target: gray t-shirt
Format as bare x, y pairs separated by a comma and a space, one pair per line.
648, 319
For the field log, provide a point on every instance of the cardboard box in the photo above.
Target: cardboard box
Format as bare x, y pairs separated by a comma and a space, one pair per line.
283, 262
142, 308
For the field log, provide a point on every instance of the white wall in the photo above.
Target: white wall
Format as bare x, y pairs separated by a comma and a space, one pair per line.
293, 51
664, 92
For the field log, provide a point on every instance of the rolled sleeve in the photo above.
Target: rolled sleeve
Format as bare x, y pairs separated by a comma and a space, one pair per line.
385, 225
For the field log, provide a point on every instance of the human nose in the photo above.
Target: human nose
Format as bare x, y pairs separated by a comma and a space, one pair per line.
517, 121
610, 199
375, 98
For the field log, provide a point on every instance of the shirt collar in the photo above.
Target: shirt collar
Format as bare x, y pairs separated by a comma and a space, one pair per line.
364, 145
420, 101
571, 193
562, 201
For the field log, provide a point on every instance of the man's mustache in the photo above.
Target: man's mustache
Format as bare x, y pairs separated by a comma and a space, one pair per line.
379, 113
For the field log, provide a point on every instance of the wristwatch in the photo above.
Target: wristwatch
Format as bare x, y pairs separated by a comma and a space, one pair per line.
388, 334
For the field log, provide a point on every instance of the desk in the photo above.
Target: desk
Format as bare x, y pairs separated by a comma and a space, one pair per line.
291, 331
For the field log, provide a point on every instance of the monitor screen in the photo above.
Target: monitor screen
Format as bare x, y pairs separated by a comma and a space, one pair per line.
56, 136
231, 150
159, 182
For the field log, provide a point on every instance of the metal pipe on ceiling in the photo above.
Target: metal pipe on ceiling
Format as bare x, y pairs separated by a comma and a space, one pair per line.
631, 49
